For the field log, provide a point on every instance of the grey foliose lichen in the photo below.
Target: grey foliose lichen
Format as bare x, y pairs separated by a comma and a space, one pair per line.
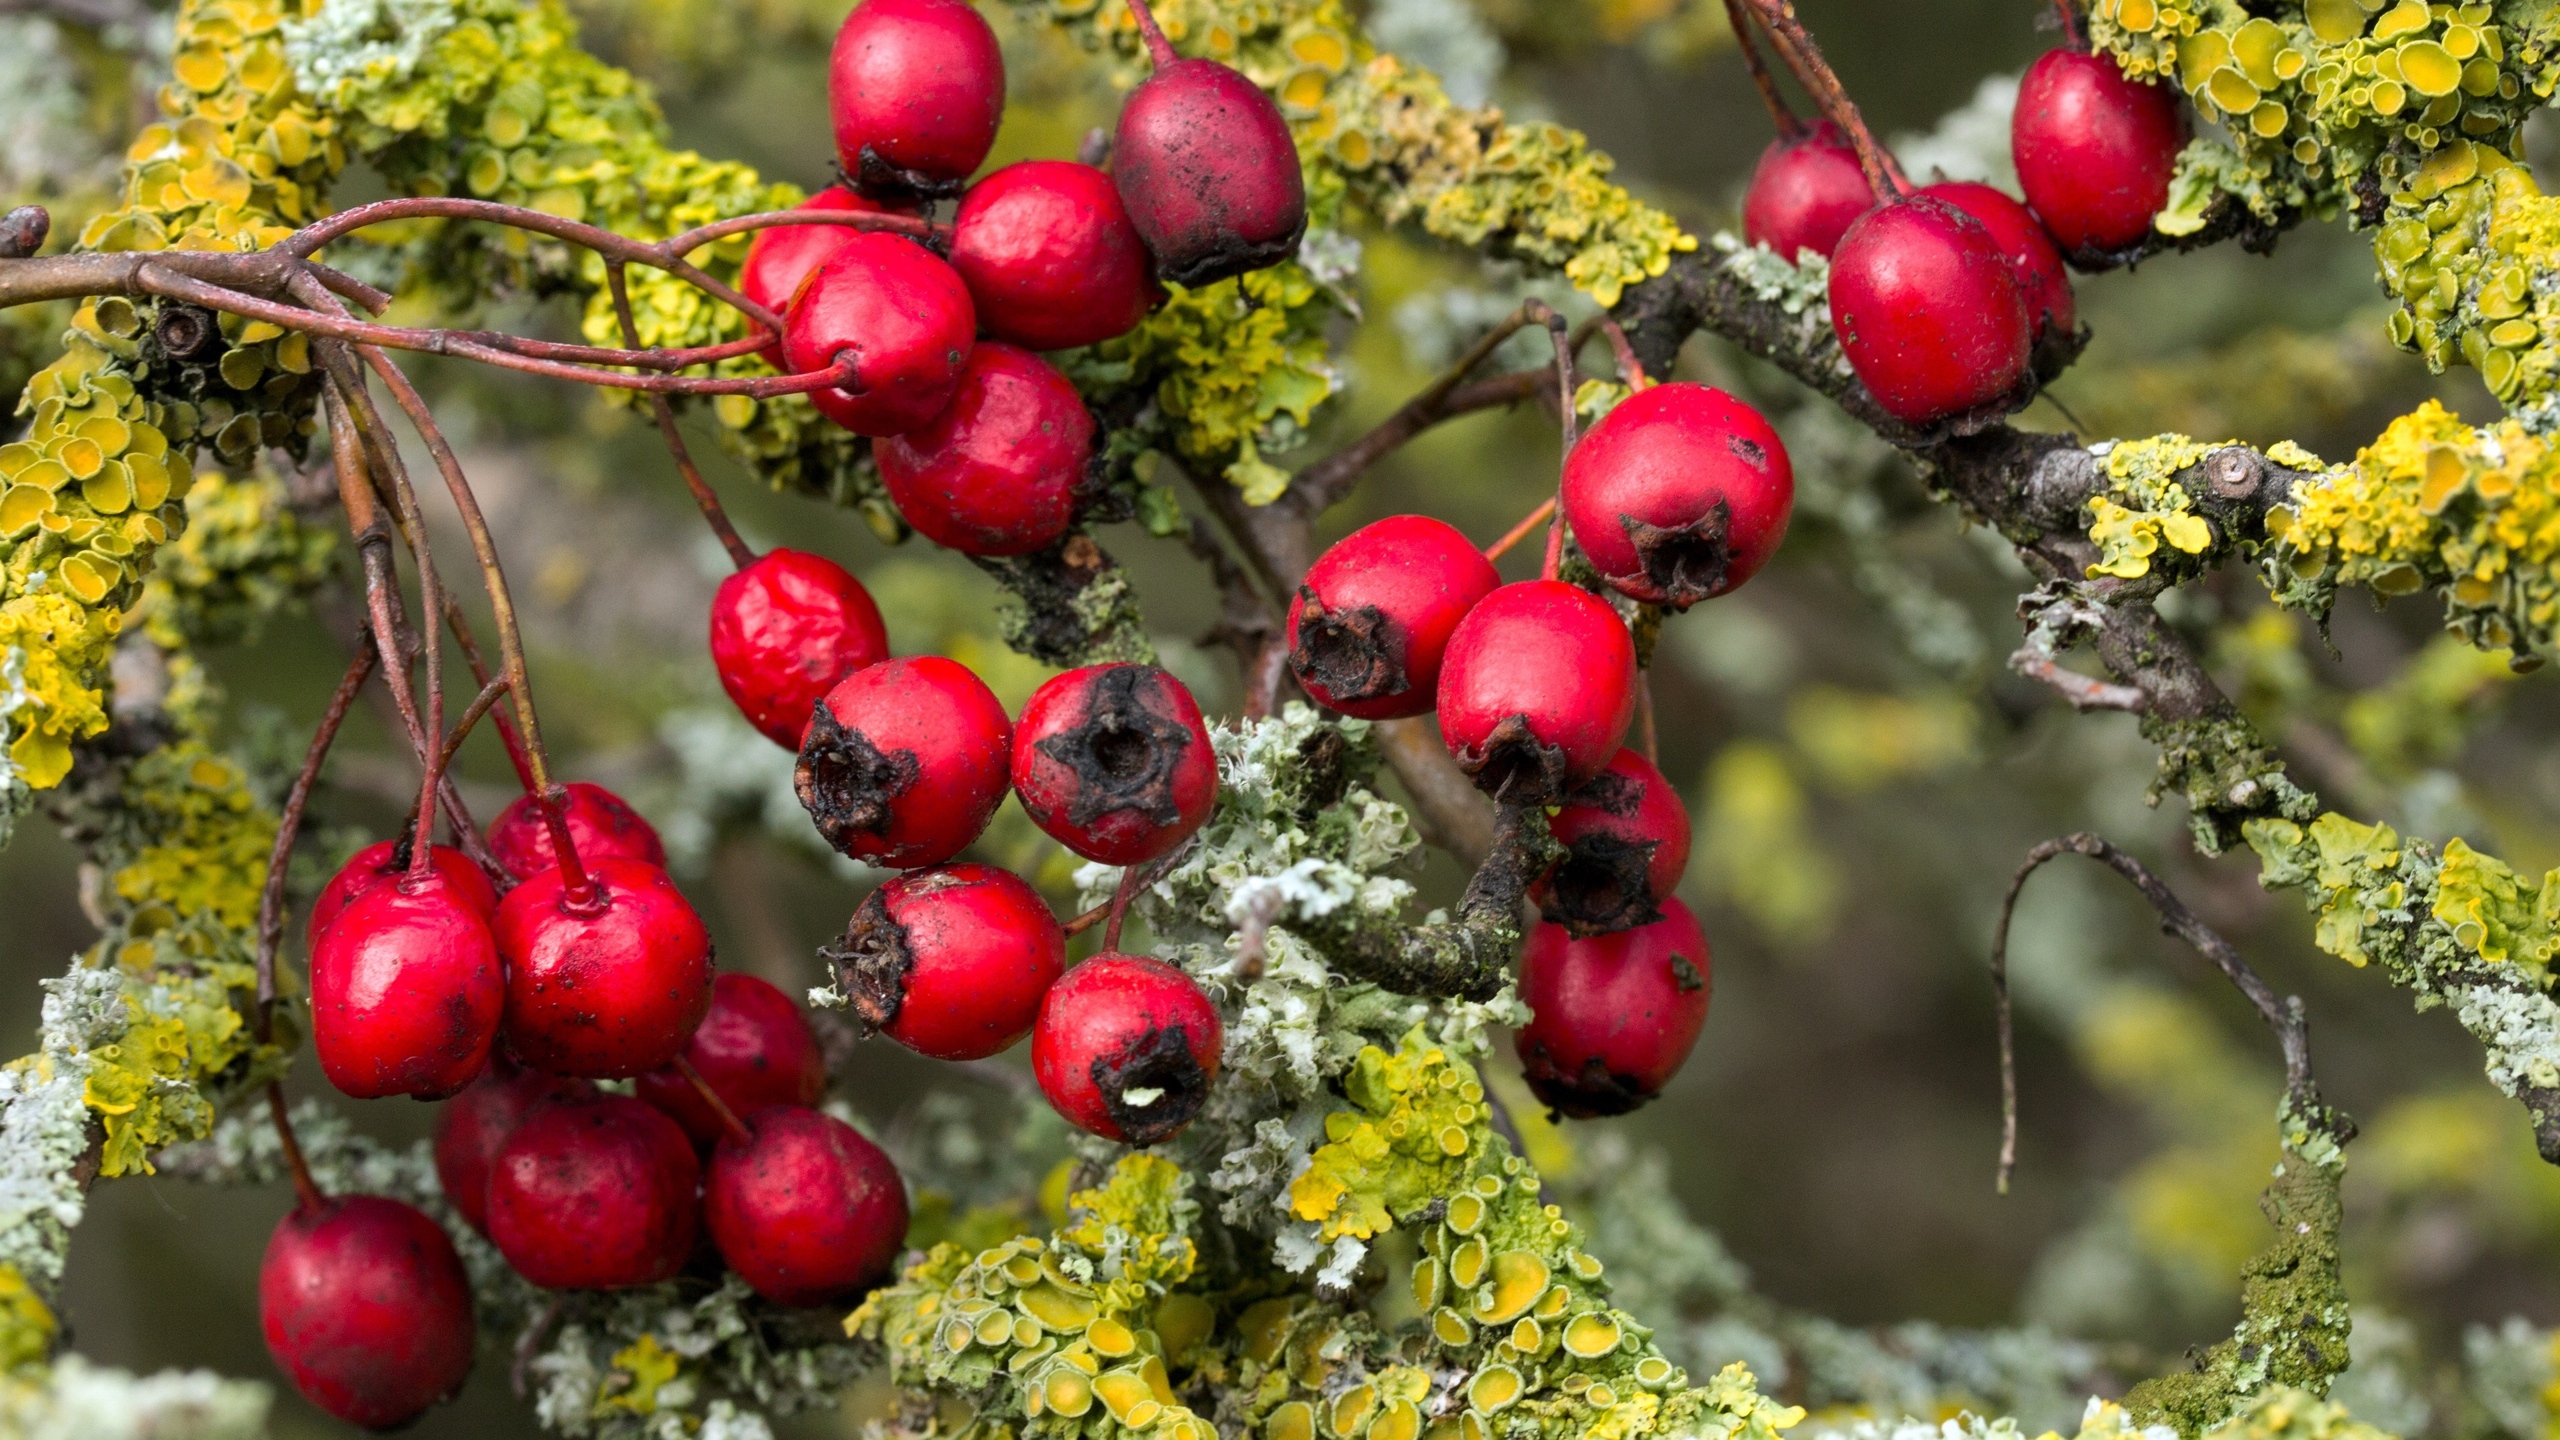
75, 1400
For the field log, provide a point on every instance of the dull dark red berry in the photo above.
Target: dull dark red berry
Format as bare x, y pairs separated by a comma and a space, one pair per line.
1051, 257
366, 1309
406, 990
1373, 617
381, 862
996, 473
1614, 1016
606, 983
807, 1211
1115, 763
1806, 191
595, 1194
754, 1048
950, 962
601, 824
1127, 1048
900, 314
1928, 312
905, 762
1679, 494
2043, 283
916, 88
781, 256
1207, 168
1626, 839
474, 1124
1537, 689
2095, 151
784, 630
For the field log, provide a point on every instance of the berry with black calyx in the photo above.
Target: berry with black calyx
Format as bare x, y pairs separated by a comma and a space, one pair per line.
1537, 689
916, 90
950, 962
1127, 1047
905, 762
1679, 494
1115, 763
997, 472
1626, 839
1373, 617
1207, 167
1614, 1016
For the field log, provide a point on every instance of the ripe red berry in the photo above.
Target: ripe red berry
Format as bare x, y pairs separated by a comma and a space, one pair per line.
916, 88
2094, 150
1207, 168
904, 318
609, 986
781, 256
383, 861
1680, 494
1615, 1015
1114, 762
1051, 257
1626, 837
474, 1124
784, 630
1127, 1048
1537, 690
595, 1194
1373, 617
905, 762
950, 962
754, 1048
601, 824
806, 1212
406, 990
2043, 283
996, 473
366, 1309
1928, 312
1805, 192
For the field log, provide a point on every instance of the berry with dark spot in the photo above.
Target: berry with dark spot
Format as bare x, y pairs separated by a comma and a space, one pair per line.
996, 473
1679, 494
950, 962
406, 990
781, 256
900, 314
474, 1124
1115, 763
608, 982
916, 89
384, 861
366, 1309
1537, 690
1051, 257
1207, 167
601, 824
784, 630
595, 1194
1626, 839
1372, 619
2095, 151
2033, 262
905, 762
753, 1048
1929, 314
1615, 1016
807, 1211
1127, 1047
1805, 193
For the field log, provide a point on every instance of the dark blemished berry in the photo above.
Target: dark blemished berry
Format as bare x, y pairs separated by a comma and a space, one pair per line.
1929, 314
900, 314
2094, 151
784, 630
1126, 1048
384, 861
916, 89
1051, 257
595, 1194
366, 1309
905, 762
1626, 839
996, 473
406, 990
1679, 494
1806, 191
754, 1048
807, 1211
1615, 1016
474, 1124
1537, 690
2034, 263
1115, 763
781, 256
1207, 168
1372, 619
601, 824
607, 985
950, 962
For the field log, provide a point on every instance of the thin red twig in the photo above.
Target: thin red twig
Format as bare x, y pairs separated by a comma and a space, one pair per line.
1781, 114
289, 826
1520, 532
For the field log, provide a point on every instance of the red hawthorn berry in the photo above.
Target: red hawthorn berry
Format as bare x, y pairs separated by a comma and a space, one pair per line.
781, 256
1207, 168
950, 962
1615, 1015
903, 316
784, 630
1538, 687
1626, 839
595, 1194
1928, 312
601, 824
2094, 150
808, 1211
905, 762
1806, 191
1127, 1047
607, 985
753, 1048
472, 1125
1051, 257
384, 861
1679, 494
1373, 617
996, 473
366, 1309
406, 990
2043, 283
1115, 763
916, 89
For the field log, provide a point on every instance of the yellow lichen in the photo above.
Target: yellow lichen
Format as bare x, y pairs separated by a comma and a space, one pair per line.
2145, 508
2493, 912
27, 1326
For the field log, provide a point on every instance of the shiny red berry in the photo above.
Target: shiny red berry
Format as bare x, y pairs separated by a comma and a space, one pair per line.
1537, 690
916, 88
406, 990
1127, 1048
601, 824
996, 473
385, 860
1373, 617
1051, 256
606, 984
754, 1048
366, 1309
1928, 312
595, 1194
1626, 839
784, 630
900, 314
781, 256
2094, 150
1615, 1016
474, 1124
950, 962
807, 1211
1115, 763
905, 762
1805, 192
1680, 494
1207, 167
2043, 283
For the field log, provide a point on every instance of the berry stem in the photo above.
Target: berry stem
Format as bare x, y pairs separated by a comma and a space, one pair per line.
2071, 32
1520, 532
1644, 717
1088, 919
307, 1196
1159, 49
740, 553
289, 827
1120, 898
480, 672
1539, 311
372, 535
1630, 369
1795, 45
579, 892
1780, 113
729, 1120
